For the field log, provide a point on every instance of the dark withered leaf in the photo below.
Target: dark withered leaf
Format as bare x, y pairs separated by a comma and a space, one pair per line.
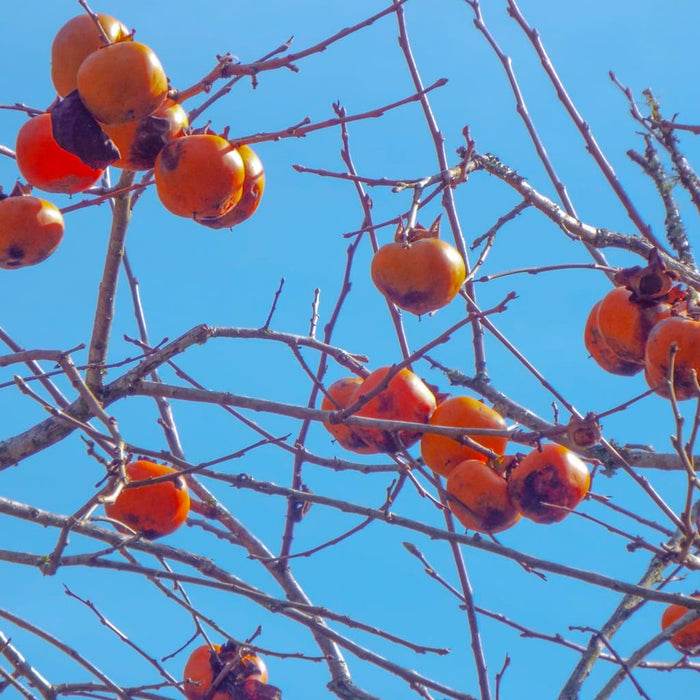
151, 135
76, 130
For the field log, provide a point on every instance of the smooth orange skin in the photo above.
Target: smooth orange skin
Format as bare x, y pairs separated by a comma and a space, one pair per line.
406, 398
74, 42
152, 510
30, 230
685, 333
341, 393
203, 666
47, 166
199, 176
550, 475
122, 82
625, 325
687, 639
484, 504
601, 352
419, 277
129, 137
441, 453
253, 187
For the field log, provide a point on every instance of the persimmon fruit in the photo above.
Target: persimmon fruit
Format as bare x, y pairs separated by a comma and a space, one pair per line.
479, 497
548, 483
418, 272
75, 41
199, 176
683, 333
442, 453
601, 352
47, 166
687, 639
153, 510
405, 398
30, 230
140, 142
339, 395
122, 82
253, 187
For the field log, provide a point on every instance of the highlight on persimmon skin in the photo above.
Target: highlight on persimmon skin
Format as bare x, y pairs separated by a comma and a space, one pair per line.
75, 41
30, 231
122, 82
47, 166
339, 396
687, 638
153, 510
479, 497
442, 453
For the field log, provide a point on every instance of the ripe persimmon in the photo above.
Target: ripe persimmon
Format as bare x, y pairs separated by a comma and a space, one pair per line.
442, 453
47, 166
140, 142
683, 333
601, 352
339, 396
253, 186
199, 176
75, 41
418, 272
122, 82
479, 497
687, 639
405, 398
153, 510
548, 482
30, 230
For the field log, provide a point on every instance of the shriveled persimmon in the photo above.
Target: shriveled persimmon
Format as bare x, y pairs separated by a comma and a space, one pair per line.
140, 142
199, 176
418, 272
405, 398
151, 509
339, 395
122, 82
442, 453
687, 639
75, 41
548, 483
601, 352
47, 166
30, 230
683, 334
479, 497
253, 186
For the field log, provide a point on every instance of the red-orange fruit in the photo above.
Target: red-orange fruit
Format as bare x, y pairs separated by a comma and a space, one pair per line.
140, 142
625, 324
30, 230
406, 398
548, 483
153, 510
480, 499
339, 395
205, 663
253, 187
601, 352
75, 41
684, 333
419, 276
199, 176
687, 639
442, 453
47, 166
122, 82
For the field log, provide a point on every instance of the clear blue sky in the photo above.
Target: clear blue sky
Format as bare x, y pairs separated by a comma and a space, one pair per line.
190, 275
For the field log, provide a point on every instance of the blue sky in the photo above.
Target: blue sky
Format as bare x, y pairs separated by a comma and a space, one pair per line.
189, 275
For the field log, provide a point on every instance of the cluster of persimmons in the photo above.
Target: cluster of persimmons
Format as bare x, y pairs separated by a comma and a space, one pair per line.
115, 107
